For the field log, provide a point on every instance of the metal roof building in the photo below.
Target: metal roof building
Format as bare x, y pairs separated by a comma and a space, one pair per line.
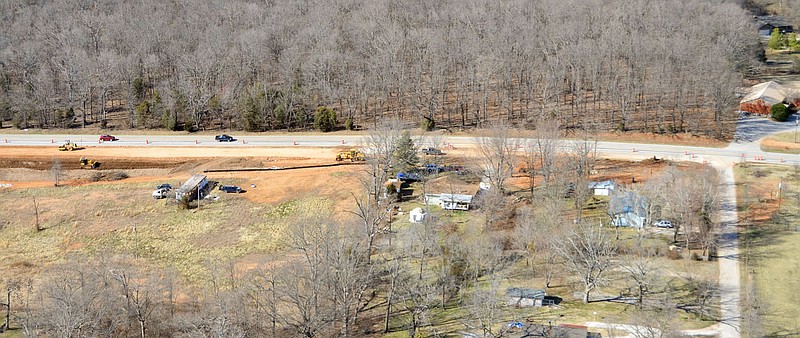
194, 187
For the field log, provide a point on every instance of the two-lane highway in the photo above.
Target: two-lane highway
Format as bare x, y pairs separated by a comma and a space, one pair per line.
733, 154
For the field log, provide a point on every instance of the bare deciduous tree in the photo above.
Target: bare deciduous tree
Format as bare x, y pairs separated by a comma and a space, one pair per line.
55, 170
641, 268
588, 254
496, 155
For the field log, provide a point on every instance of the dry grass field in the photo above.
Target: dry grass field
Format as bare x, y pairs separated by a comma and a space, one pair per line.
121, 216
104, 218
770, 238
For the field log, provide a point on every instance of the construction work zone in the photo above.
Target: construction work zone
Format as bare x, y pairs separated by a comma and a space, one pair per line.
69, 146
354, 155
89, 164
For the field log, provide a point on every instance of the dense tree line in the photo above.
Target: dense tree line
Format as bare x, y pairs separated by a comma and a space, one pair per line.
662, 66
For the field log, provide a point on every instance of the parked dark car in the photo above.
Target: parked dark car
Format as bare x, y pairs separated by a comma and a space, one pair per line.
433, 168
408, 176
230, 189
431, 151
224, 138
166, 186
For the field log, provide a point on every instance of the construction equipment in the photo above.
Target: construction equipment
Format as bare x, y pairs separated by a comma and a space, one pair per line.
353, 155
69, 146
89, 164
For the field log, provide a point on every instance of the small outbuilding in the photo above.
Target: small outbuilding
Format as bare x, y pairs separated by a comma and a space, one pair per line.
523, 297
195, 187
417, 215
602, 188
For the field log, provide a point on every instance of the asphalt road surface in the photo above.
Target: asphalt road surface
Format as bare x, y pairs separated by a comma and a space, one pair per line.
735, 153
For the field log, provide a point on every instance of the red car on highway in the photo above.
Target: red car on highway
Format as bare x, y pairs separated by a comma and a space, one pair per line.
106, 137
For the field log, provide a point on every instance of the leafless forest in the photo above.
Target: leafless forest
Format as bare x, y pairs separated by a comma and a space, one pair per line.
656, 66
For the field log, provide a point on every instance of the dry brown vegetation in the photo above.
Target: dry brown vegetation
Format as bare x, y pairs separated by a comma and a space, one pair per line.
453, 64
293, 232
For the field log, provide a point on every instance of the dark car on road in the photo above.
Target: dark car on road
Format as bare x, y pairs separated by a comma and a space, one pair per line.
230, 189
106, 137
224, 138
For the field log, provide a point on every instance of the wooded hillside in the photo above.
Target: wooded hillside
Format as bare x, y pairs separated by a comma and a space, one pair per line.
659, 66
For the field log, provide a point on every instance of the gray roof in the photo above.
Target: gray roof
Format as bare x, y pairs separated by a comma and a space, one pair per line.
602, 185
770, 92
191, 183
455, 198
525, 293
773, 20
623, 202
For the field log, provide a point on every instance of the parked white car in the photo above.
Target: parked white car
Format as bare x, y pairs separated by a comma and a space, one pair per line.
160, 193
663, 224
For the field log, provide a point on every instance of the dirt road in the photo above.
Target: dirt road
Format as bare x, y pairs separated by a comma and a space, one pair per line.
728, 253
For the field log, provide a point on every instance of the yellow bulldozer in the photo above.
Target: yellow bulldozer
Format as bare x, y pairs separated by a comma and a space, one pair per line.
89, 164
69, 146
353, 155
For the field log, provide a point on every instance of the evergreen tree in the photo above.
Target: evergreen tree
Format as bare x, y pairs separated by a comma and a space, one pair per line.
143, 113
324, 119
252, 115
405, 154
779, 112
791, 42
775, 39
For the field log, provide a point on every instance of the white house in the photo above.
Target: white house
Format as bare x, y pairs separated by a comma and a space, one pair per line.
628, 209
449, 201
417, 215
602, 188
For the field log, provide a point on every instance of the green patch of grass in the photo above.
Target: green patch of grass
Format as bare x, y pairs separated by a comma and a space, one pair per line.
769, 245
123, 218
787, 137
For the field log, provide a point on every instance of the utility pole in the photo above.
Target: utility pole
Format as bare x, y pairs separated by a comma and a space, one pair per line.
796, 121
780, 190
7, 325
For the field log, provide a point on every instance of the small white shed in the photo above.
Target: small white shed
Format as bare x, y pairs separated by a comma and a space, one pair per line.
602, 188
417, 215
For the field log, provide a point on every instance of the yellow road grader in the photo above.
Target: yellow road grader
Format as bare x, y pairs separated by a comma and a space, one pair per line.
354, 155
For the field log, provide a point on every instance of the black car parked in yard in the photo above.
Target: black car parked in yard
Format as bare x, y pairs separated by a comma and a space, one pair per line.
224, 138
230, 188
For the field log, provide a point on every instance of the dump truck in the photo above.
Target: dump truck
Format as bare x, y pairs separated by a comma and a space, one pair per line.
68, 146
353, 155
89, 164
